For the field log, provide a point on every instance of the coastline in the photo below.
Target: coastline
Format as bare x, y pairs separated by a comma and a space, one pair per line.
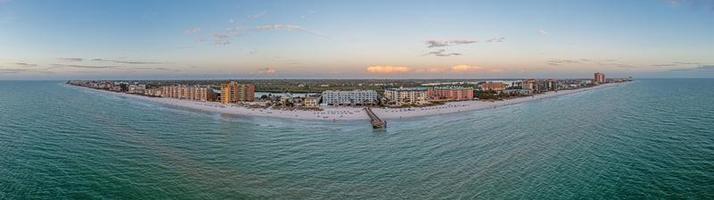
349, 113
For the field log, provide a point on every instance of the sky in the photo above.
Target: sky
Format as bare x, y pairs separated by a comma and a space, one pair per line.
188, 39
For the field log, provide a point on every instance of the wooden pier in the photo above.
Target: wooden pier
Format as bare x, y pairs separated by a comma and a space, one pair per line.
375, 120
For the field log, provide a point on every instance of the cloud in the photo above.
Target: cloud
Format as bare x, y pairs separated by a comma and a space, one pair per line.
25, 64
556, 62
191, 31
287, 27
71, 59
267, 71
221, 39
456, 69
386, 69
694, 4
465, 68
126, 62
12, 71
498, 39
441, 53
16, 71
586, 61
445, 43
155, 68
432, 70
543, 32
686, 63
257, 16
474, 69
699, 68
85, 66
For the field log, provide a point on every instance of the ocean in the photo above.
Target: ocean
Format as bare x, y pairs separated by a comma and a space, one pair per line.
648, 139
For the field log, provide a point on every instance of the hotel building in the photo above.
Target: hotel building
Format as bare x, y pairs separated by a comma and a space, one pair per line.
450, 93
599, 78
232, 92
408, 96
353, 98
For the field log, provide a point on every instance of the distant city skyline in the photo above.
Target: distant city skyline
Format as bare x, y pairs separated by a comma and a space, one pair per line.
185, 39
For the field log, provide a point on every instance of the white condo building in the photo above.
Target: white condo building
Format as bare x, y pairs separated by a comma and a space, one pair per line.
354, 97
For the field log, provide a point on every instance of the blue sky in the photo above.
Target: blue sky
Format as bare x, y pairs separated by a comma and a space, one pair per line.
83, 39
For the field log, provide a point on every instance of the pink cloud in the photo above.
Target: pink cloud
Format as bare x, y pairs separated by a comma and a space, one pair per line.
386, 69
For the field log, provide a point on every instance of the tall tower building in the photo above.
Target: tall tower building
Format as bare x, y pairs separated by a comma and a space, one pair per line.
232, 92
599, 78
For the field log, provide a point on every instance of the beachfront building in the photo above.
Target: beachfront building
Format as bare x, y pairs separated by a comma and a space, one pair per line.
551, 85
136, 89
193, 92
311, 102
153, 92
599, 78
450, 93
517, 92
233, 92
406, 96
493, 86
530, 84
349, 98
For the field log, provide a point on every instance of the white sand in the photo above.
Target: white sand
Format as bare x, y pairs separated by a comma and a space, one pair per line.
351, 113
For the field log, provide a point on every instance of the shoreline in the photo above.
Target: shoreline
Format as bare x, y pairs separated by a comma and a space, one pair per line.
350, 113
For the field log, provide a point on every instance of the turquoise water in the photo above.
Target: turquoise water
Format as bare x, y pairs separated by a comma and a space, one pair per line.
645, 139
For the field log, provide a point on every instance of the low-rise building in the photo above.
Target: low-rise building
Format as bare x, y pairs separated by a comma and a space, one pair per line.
136, 89
311, 102
349, 98
517, 91
406, 96
453, 93
493, 86
153, 92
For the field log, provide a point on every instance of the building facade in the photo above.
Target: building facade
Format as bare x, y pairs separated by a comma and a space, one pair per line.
233, 92
493, 86
530, 84
311, 102
153, 92
406, 96
450, 93
599, 78
194, 92
351, 98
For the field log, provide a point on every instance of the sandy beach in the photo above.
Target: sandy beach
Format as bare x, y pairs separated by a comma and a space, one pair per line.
350, 113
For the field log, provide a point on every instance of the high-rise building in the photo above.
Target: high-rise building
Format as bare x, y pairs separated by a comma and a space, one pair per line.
451, 93
354, 97
530, 84
599, 78
233, 92
194, 92
551, 85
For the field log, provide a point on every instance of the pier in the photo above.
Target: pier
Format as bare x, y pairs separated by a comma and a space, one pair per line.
374, 119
